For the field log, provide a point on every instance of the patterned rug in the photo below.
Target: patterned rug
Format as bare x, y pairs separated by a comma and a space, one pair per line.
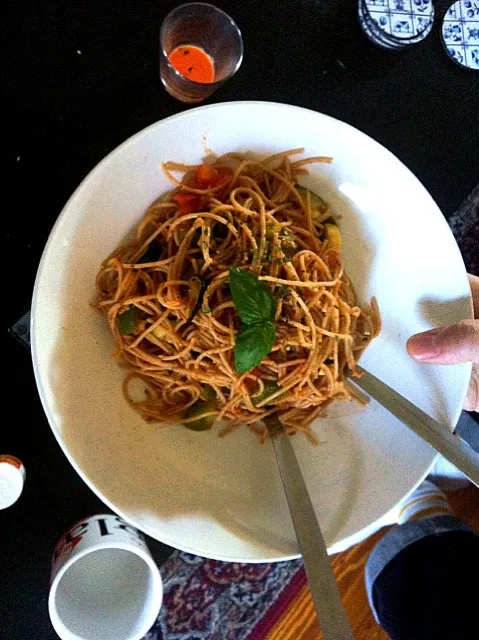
212, 600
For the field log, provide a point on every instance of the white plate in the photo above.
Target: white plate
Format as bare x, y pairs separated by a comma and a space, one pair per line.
222, 498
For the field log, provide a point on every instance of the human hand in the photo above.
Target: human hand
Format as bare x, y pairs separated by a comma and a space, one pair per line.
450, 345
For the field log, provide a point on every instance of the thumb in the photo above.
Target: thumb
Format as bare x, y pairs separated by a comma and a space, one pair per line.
447, 345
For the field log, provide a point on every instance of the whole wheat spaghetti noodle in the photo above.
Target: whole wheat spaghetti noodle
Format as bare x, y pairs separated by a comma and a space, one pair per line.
167, 299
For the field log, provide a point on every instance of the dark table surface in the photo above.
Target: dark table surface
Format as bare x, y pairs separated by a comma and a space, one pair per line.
82, 76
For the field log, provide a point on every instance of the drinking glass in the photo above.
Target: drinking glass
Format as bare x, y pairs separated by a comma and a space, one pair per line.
215, 40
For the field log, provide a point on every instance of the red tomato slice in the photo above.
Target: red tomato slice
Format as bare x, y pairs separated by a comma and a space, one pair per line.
189, 202
208, 177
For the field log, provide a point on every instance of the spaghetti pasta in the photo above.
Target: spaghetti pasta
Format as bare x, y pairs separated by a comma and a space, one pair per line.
167, 299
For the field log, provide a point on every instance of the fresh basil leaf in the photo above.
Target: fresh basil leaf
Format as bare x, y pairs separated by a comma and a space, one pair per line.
127, 321
152, 253
253, 344
254, 302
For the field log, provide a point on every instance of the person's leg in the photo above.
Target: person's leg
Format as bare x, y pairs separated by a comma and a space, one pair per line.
422, 576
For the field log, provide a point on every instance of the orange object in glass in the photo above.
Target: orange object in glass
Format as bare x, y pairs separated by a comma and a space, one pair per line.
193, 63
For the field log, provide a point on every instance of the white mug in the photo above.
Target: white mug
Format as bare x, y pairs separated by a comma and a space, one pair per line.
104, 583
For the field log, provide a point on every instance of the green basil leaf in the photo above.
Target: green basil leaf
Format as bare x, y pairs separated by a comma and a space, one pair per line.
253, 344
127, 321
254, 302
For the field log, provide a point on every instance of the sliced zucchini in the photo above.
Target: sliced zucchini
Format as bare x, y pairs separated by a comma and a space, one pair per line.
318, 205
159, 333
270, 387
207, 392
203, 423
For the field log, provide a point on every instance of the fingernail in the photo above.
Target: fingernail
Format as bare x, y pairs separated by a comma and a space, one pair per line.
425, 346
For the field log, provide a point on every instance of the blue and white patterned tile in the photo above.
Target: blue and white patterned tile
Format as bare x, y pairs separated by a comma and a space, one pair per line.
452, 33
472, 57
400, 6
422, 25
390, 6
422, 7
470, 9
471, 32
381, 20
457, 54
402, 26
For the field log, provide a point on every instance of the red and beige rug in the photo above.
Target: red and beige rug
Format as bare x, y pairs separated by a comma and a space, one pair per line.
211, 600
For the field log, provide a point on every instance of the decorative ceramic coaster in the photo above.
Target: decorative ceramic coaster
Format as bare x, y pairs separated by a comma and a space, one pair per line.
400, 21
460, 33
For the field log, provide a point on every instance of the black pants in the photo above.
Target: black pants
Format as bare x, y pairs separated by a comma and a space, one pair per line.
423, 580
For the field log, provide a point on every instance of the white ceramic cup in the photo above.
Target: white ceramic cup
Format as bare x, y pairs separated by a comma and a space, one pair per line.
104, 583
